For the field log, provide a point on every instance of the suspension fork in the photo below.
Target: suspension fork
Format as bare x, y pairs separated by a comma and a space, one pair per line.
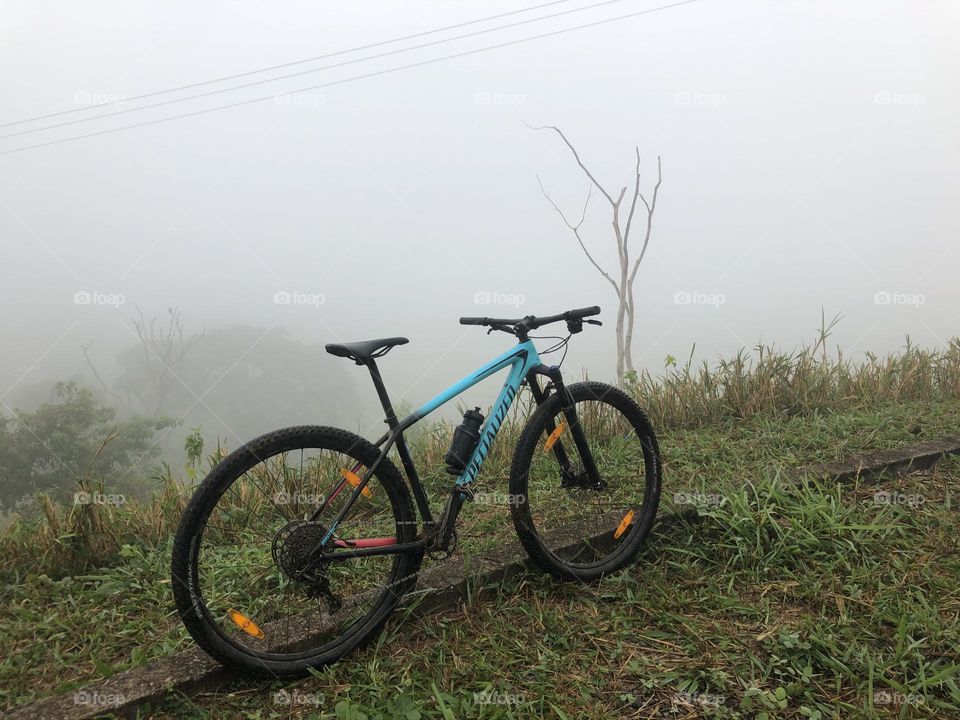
569, 410
540, 396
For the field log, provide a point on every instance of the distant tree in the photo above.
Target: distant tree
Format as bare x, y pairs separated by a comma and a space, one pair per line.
236, 381
254, 379
622, 281
150, 377
72, 438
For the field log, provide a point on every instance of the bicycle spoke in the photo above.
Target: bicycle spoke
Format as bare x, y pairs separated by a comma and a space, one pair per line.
563, 501
255, 558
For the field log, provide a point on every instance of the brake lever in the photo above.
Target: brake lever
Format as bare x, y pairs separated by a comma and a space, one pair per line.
593, 322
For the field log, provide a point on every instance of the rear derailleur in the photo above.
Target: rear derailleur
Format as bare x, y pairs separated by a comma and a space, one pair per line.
292, 553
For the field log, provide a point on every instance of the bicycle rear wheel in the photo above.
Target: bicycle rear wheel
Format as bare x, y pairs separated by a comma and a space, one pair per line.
245, 578
571, 525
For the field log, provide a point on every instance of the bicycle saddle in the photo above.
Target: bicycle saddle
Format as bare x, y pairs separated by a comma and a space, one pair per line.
361, 352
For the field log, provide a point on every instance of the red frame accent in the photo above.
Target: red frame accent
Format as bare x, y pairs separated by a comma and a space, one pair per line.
362, 542
365, 542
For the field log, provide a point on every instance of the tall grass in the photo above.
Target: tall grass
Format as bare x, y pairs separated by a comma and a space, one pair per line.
60, 540
65, 539
779, 383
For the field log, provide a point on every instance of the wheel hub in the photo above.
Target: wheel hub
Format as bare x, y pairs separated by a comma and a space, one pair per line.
579, 480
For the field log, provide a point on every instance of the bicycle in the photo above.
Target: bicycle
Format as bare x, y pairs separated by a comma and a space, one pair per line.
319, 576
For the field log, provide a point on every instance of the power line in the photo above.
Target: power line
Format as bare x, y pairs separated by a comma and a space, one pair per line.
254, 83
282, 65
365, 76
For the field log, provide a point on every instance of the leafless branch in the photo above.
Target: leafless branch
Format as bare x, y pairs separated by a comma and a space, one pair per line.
650, 210
96, 373
576, 230
576, 157
636, 194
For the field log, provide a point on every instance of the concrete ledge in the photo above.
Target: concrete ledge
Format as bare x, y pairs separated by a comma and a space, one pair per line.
874, 466
439, 587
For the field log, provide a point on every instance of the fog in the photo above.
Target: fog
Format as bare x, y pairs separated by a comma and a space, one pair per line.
809, 158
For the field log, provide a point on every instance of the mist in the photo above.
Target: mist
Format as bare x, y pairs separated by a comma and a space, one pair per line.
809, 158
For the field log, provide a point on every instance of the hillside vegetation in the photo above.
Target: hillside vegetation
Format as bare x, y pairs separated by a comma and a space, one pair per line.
798, 600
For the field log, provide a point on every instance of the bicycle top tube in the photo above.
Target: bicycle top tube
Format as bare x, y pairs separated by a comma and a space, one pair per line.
523, 357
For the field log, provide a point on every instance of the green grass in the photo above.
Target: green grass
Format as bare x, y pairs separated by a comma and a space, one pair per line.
553, 639
805, 602
776, 383
787, 602
808, 599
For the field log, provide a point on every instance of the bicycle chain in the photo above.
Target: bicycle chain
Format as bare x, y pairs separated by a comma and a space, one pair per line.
411, 575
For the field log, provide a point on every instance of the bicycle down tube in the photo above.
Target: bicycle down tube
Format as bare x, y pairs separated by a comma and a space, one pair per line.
521, 359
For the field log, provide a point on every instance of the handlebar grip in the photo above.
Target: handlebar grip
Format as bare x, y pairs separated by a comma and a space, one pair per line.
473, 321
584, 312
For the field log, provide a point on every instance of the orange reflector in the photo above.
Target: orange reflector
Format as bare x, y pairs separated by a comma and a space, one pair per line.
245, 623
624, 524
555, 435
354, 479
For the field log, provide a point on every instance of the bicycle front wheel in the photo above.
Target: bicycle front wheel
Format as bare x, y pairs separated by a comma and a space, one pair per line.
573, 523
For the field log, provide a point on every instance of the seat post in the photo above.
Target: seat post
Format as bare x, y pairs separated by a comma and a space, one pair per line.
381, 392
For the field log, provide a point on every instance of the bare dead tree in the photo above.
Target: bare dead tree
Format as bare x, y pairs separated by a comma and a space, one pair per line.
163, 348
623, 279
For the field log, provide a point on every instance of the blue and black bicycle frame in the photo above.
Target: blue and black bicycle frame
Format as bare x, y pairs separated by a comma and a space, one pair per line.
524, 365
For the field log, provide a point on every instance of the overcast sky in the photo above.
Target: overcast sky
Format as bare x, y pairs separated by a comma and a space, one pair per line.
810, 159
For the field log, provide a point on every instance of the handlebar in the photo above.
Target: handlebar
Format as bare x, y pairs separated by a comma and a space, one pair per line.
521, 326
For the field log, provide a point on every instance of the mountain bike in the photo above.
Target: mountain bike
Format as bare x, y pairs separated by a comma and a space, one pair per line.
298, 545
